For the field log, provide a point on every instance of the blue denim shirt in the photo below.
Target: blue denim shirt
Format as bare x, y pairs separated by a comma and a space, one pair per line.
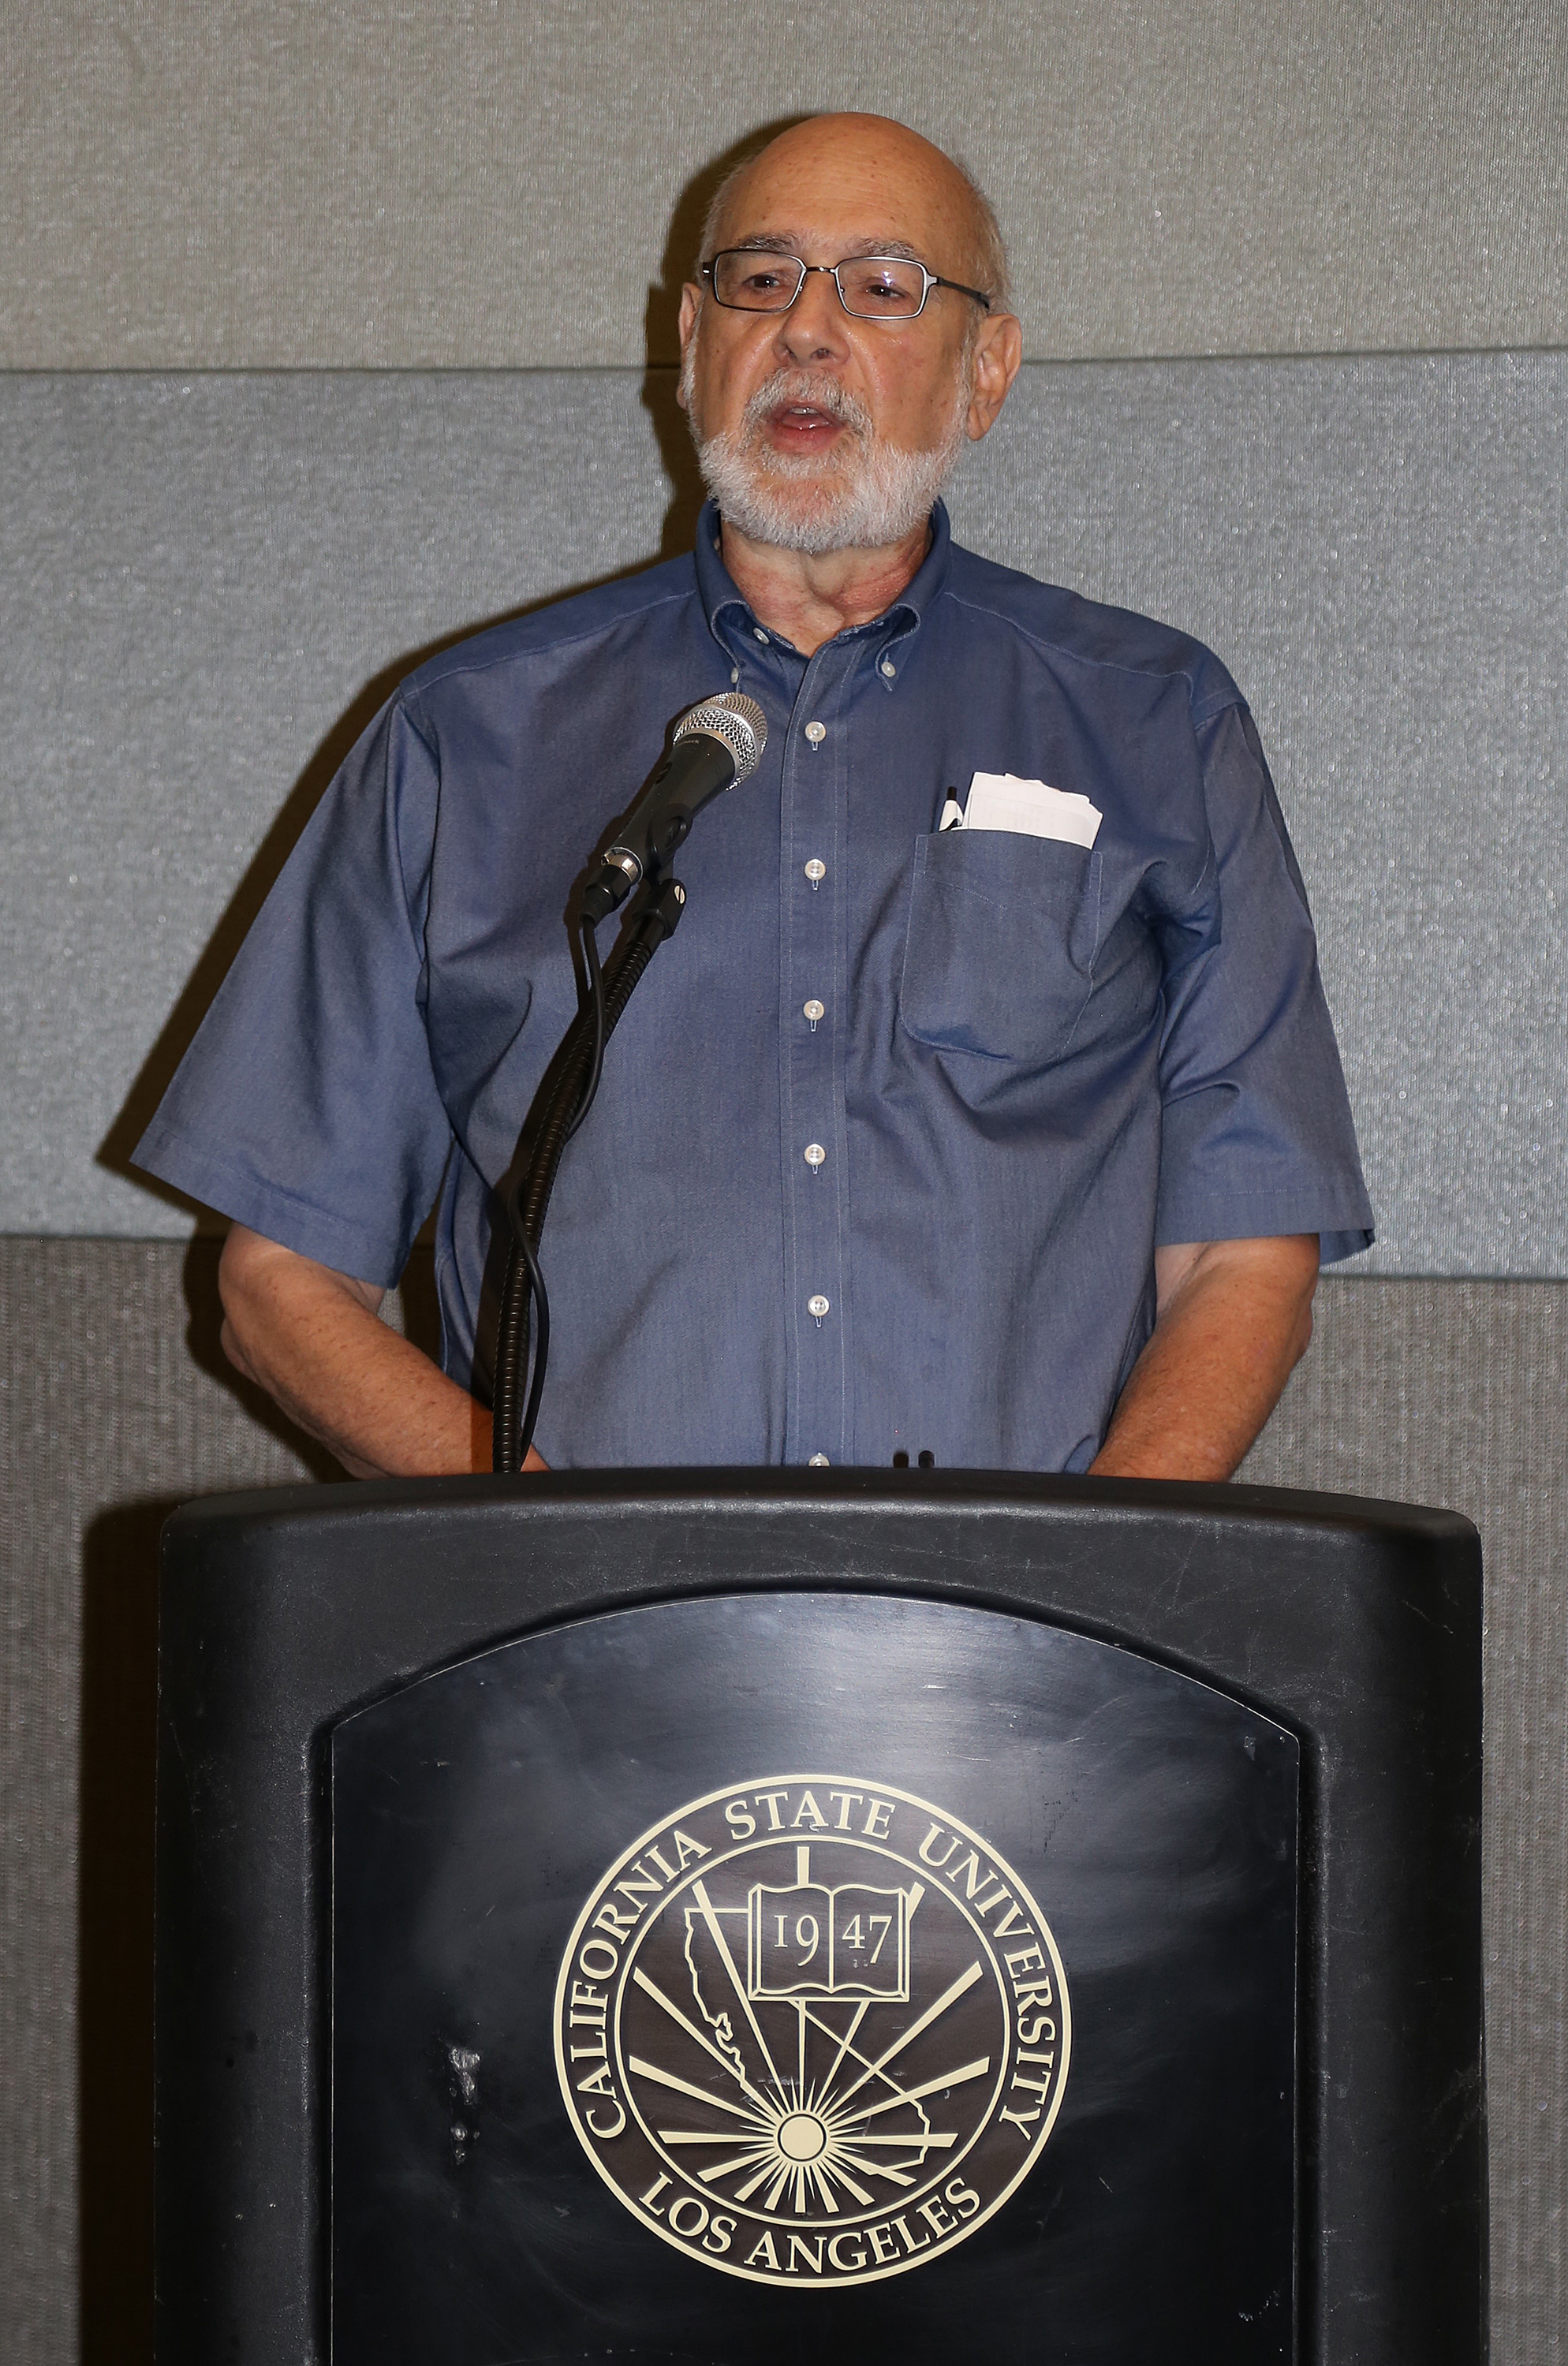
1032, 1063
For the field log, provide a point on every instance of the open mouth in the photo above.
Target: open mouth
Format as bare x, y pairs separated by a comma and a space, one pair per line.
802, 426
806, 425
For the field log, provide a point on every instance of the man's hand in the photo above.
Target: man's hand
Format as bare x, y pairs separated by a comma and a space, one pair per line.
313, 1340
1234, 1319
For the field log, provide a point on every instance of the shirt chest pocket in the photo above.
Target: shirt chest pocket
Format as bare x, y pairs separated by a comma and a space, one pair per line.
999, 958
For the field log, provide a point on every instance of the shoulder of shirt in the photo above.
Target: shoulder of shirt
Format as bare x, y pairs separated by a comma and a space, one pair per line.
588, 615
1090, 633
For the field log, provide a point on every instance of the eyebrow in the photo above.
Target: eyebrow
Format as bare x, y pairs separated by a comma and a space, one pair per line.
787, 241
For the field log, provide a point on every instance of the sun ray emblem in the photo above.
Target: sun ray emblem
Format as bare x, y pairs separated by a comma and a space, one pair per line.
812, 2030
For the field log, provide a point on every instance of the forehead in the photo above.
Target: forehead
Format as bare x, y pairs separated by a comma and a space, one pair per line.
835, 199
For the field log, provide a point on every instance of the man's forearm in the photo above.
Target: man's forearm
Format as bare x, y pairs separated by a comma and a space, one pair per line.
312, 1338
1235, 1318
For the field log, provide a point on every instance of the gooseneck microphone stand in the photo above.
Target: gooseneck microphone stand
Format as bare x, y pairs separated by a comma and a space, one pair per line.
717, 742
566, 1093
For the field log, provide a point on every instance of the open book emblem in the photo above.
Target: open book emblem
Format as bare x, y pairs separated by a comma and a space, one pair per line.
812, 2030
809, 1940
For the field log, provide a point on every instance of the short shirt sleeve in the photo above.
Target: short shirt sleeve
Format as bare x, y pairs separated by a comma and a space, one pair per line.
307, 1107
1256, 1135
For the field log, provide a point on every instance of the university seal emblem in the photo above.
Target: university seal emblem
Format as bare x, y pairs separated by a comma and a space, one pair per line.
812, 2030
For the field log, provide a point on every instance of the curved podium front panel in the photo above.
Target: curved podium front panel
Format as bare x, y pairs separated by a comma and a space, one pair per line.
749, 1918
899, 1966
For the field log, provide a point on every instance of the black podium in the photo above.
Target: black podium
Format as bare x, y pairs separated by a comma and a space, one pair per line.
745, 1919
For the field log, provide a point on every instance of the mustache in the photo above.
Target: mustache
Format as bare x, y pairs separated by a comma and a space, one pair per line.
816, 389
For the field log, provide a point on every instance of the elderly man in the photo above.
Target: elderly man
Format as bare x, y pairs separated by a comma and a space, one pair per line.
1016, 1140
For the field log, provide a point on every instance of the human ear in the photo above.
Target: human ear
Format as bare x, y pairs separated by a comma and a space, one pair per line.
993, 366
690, 304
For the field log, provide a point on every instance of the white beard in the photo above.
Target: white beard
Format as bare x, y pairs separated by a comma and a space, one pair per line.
816, 503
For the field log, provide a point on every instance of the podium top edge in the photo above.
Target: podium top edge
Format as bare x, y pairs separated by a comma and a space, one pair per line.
732, 1490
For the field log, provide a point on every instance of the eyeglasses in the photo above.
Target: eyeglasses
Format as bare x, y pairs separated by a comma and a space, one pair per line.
871, 287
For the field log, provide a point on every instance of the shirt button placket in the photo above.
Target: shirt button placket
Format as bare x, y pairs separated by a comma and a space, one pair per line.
811, 1013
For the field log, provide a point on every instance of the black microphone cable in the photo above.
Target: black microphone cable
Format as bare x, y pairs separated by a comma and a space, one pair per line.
716, 743
527, 1202
541, 1325
590, 941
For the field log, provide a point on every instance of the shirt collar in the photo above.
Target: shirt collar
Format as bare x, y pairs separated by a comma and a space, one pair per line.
733, 625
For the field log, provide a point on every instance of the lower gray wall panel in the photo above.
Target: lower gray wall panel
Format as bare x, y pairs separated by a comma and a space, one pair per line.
109, 1418
116, 1406
1456, 1393
212, 580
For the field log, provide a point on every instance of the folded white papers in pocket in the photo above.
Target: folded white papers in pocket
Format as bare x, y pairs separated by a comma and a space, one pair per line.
1001, 801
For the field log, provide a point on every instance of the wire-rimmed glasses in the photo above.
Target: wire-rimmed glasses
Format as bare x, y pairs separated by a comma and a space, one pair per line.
871, 287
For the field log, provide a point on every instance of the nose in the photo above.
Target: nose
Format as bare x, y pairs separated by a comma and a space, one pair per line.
812, 328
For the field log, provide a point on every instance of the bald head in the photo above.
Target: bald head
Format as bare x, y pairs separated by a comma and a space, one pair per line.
887, 173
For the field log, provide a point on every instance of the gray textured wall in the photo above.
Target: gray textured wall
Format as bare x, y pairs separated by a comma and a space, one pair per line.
284, 184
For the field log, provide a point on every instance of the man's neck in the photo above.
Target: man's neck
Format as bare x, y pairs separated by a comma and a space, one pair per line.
807, 598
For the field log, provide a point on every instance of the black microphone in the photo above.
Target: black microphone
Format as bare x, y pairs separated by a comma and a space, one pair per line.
716, 743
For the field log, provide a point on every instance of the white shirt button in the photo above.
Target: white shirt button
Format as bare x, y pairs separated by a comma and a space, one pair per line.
889, 667
817, 1462
814, 1154
759, 634
816, 733
815, 872
816, 1305
734, 674
813, 1011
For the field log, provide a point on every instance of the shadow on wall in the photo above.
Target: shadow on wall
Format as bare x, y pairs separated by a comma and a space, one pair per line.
661, 336
114, 2000
661, 380
115, 1860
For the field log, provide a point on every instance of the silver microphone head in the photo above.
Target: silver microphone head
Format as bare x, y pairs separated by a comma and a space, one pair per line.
735, 719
